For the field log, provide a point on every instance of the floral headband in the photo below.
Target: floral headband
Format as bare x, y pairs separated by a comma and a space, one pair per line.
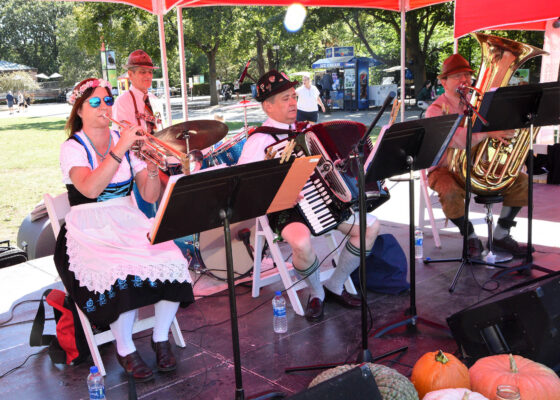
93, 83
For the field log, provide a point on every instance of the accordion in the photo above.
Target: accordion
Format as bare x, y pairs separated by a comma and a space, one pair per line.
330, 194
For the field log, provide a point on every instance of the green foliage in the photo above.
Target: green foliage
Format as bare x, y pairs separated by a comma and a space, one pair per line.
17, 81
29, 32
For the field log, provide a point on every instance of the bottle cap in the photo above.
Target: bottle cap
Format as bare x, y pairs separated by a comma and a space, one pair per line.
278, 293
93, 370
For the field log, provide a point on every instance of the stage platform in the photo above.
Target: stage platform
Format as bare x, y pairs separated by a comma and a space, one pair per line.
205, 369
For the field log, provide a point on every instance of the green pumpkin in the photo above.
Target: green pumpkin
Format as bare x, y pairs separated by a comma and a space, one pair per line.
392, 385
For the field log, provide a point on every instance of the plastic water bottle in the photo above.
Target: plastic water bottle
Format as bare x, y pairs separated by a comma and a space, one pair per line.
95, 383
279, 321
419, 243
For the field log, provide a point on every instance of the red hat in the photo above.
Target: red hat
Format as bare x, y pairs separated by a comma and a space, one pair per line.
139, 58
453, 65
271, 83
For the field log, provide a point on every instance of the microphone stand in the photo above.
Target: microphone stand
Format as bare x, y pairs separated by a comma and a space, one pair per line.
465, 259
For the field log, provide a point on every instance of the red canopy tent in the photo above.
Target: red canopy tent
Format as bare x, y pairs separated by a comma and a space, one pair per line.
474, 15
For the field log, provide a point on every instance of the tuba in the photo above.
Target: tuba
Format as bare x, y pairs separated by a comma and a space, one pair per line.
495, 166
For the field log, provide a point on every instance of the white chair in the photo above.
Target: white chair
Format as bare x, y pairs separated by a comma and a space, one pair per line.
57, 208
425, 203
284, 271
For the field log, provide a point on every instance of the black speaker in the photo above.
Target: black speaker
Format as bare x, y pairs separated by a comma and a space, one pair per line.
523, 320
356, 384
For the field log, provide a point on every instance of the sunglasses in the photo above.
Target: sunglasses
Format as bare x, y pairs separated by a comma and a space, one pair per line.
96, 101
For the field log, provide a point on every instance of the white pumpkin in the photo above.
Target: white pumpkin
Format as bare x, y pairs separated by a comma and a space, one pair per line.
453, 394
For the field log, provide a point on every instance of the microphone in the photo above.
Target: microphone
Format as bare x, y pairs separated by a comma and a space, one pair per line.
462, 89
244, 73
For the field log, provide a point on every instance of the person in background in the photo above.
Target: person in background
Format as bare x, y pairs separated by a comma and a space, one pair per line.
279, 101
10, 101
103, 255
326, 84
21, 102
424, 97
309, 99
456, 72
137, 105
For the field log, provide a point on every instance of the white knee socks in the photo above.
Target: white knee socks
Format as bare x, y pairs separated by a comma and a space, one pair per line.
122, 331
348, 261
165, 312
313, 279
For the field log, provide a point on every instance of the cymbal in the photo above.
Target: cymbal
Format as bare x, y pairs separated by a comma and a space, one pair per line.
201, 133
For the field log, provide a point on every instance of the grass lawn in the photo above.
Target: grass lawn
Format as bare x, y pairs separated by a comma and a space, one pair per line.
28, 167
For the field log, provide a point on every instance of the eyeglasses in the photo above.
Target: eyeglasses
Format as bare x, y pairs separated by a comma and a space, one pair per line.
96, 101
460, 75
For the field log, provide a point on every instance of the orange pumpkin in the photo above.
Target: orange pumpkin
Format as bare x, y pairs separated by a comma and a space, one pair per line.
439, 370
535, 381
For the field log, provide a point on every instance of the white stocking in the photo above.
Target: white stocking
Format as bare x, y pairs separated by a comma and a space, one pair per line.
165, 312
122, 331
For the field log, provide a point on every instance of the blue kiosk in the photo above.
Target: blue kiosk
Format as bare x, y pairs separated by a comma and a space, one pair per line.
350, 77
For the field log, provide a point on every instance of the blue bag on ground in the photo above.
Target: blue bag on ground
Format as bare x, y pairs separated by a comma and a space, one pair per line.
386, 267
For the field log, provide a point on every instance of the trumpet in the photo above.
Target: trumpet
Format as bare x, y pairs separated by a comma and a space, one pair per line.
154, 149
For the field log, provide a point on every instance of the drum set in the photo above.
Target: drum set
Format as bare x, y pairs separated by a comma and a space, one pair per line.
207, 147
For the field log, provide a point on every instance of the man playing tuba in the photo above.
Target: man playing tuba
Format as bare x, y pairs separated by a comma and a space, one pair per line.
456, 72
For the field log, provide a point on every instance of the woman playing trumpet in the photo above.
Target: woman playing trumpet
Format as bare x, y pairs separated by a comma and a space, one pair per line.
103, 255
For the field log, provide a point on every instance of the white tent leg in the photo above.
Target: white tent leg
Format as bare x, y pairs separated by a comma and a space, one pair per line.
183, 61
164, 67
403, 61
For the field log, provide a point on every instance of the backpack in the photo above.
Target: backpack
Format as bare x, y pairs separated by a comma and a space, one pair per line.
69, 346
386, 267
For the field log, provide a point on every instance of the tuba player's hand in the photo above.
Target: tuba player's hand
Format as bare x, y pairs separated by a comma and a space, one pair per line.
502, 136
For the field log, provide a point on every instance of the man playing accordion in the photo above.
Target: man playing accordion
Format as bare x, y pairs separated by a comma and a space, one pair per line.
279, 101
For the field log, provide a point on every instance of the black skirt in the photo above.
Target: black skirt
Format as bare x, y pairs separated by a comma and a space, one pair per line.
127, 294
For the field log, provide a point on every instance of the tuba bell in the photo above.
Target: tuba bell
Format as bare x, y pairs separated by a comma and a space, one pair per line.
495, 166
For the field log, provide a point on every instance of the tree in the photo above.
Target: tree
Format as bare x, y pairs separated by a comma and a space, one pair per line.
208, 29
29, 32
421, 25
17, 81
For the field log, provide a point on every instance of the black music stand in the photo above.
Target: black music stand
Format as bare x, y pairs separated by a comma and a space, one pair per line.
408, 147
207, 200
515, 107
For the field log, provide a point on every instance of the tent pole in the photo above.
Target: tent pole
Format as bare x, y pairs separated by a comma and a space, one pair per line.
183, 62
164, 71
403, 61
455, 46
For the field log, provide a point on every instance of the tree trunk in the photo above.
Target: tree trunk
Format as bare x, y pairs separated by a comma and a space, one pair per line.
211, 55
415, 54
271, 59
260, 56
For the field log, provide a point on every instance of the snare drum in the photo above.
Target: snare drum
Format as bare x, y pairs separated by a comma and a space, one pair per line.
228, 151
210, 252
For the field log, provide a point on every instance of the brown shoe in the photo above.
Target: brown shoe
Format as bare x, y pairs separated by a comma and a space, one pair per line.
164, 357
510, 245
314, 309
474, 248
133, 364
346, 299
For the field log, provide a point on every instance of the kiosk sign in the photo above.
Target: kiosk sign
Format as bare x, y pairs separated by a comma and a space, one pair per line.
347, 51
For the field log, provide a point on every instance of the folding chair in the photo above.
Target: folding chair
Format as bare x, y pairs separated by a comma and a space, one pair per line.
424, 204
284, 271
57, 208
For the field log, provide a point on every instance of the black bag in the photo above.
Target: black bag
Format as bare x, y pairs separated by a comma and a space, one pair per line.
11, 255
386, 267
69, 346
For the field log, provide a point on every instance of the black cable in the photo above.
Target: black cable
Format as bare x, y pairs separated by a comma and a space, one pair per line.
23, 363
324, 258
3, 323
